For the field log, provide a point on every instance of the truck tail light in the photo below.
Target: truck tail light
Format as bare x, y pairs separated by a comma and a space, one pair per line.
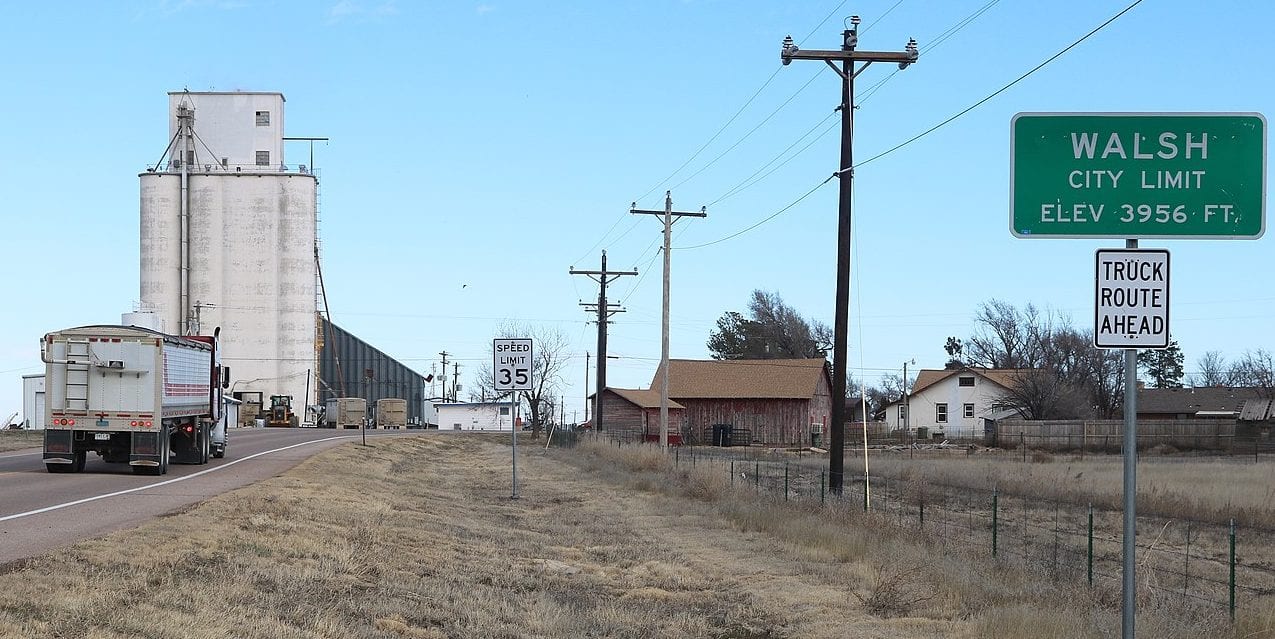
64, 422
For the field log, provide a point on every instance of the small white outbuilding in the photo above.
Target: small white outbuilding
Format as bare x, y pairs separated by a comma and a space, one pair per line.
489, 416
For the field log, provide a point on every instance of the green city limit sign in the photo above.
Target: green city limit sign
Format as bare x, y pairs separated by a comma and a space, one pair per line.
1135, 175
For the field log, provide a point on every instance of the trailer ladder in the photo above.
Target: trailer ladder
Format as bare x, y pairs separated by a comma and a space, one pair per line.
77, 374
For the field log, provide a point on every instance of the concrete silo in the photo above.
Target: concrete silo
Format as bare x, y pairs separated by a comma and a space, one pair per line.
228, 240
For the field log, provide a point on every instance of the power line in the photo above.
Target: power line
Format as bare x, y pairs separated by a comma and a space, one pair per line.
1000, 90
919, 136
940, 39
763, 221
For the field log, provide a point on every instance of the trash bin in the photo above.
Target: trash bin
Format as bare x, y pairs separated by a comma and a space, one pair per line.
815, 439
723, 434
260, 423
922, 432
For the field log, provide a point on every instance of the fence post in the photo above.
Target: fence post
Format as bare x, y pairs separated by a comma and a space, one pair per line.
732, 472
1231, 581
995, 512
785, 481
757, 475
822, 489
1186, 568
1090, 558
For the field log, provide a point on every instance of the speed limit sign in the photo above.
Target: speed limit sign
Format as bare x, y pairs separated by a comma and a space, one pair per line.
511, 364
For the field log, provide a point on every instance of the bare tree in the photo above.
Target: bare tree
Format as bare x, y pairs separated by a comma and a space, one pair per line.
549, 359
1212, 370
773, 330
1041, 394
1005, 337
1255, 370
1065, 376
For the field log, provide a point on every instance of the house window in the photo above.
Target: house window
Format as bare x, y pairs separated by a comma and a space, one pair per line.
263, 118
263, 158
969, 411
966, 381
504, 410
903, 412
940, 413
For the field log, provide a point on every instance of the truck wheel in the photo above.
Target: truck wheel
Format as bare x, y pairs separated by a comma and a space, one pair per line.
204, 444
78, 465
168, 451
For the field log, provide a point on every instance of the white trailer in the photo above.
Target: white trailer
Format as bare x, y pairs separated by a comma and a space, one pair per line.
345, 412
132, 395
391, 413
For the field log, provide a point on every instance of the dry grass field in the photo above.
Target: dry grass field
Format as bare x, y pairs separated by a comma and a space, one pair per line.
417, 537
19, 439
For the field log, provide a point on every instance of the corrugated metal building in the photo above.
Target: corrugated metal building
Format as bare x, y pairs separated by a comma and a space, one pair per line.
366, 372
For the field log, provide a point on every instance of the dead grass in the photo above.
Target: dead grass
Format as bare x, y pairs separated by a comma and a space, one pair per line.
417, 537
1212, 489
20, 439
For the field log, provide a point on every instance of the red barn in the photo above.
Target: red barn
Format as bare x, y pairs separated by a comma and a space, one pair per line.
776, 402
635, 415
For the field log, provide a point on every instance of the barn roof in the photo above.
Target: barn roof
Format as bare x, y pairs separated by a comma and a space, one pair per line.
643, 398
743, 378
1194, 400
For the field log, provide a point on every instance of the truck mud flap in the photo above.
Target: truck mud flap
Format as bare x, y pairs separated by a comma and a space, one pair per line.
145, 450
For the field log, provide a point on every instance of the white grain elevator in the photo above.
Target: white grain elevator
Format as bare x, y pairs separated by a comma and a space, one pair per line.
228, 239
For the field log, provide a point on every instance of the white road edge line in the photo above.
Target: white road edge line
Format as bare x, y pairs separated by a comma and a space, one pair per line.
162, 483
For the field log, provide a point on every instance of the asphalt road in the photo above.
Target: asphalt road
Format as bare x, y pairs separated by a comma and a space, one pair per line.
40, 511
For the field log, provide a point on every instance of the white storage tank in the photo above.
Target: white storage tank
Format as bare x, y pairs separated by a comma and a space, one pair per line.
143, 319
251, 230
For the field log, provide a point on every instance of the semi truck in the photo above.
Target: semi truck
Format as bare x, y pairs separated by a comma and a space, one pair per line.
345, 412
391, 413
132, 395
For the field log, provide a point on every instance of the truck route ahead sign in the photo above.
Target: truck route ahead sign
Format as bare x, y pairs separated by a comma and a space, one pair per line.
511, 364
1131, 298
1131, 175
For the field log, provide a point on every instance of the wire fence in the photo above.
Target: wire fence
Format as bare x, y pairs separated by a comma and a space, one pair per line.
1212, 568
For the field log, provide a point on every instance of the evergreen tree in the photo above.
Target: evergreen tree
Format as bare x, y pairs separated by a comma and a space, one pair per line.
1163, 366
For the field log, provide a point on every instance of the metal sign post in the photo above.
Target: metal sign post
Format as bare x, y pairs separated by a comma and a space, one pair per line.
512, 364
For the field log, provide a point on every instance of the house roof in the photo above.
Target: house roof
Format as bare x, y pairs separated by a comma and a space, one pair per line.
643, 398
743, 378
926, 378
1194, 400
1003, 377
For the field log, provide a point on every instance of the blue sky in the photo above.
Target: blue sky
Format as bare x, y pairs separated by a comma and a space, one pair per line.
480, 150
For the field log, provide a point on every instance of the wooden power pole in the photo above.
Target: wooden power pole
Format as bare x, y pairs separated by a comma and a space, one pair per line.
669, 216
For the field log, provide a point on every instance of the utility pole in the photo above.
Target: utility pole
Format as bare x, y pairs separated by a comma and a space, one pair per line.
455, 380
847, 56
602, 277
669, 216
443, 379
586, 386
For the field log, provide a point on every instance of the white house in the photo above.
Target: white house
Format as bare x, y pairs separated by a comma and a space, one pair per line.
952, 403
490, 416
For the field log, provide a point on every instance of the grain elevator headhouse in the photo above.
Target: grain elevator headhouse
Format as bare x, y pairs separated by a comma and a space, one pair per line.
228, 239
